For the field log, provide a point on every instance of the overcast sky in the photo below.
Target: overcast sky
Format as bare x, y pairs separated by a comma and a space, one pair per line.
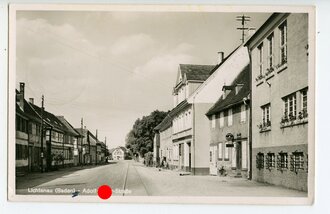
113, 67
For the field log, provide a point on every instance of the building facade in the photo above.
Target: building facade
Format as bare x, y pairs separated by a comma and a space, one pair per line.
118, 153
165, 148
71, 138
279, 64
187, 150
229, 125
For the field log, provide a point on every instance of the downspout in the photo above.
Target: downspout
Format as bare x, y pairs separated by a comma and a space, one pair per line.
250, 119
193, 134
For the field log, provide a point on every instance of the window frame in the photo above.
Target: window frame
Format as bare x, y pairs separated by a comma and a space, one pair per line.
270, 51
230, 117
260, 49
283, 45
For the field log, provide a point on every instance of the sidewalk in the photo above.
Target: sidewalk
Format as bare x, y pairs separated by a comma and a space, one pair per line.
170, 183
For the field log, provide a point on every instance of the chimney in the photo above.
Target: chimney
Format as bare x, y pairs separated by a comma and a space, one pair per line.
221, 55
31, 100
96, 134
21, 93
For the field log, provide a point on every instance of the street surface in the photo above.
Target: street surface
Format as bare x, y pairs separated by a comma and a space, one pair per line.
134, 179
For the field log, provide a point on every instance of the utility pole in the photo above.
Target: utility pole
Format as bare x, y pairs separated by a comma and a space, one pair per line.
243, 19
42, 135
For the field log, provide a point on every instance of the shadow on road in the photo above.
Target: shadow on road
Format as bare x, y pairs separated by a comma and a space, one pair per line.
36, 178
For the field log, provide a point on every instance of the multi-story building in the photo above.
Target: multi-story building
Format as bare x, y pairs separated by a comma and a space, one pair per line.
165, 146
89, 142
280, 103
71, 138
59, 145
57, 150
229, 125
189, 152
21, 144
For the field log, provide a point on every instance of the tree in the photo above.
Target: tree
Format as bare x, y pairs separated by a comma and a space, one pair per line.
140, 138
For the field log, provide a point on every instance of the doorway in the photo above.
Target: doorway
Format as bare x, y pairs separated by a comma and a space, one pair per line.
239, 156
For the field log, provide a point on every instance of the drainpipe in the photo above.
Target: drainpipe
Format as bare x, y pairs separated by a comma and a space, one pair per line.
250, 120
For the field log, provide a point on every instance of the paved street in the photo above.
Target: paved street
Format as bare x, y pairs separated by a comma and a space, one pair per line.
134, 179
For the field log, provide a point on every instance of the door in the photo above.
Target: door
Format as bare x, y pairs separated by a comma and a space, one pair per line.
239, 156
30, 156
189, 146
213, 161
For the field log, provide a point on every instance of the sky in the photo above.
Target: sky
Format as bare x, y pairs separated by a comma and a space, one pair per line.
111, 68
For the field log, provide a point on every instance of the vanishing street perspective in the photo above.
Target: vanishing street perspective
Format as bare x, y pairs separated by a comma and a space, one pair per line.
162, 104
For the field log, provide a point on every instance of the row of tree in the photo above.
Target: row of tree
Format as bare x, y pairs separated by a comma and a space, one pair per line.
140, 138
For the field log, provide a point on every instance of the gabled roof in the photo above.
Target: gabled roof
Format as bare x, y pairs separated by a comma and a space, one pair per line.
49, 118
224, 60
196, 72
232, 98
166, 122
68, 126
119, 147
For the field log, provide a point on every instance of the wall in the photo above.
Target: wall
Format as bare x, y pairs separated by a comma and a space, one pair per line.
166, 145
200, 144
211, 89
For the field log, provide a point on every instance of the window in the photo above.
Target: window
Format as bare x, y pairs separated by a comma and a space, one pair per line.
21, 152
283, 43
282, 161
226, 152
303, 113
297, 161
220, 151
260, 161
230, 117
222, 121
266, 115
21, 124
270, 50
260, 56
210, 156
270, 160
290, 106
243, 113
213, 121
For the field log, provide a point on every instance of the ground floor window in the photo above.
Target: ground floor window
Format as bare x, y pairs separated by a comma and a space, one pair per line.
282, 161
297, 161
21, 152
260, 160
270, 160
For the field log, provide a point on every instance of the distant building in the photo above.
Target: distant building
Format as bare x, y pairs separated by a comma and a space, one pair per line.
229, 125
71, 137
279, 58
118, 153
156, 158
164, 149
89, 143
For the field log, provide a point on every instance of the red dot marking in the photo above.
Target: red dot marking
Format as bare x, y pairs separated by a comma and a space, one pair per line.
104, 192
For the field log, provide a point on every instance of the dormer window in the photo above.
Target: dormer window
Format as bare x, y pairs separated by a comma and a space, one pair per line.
238, 88
226, 90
